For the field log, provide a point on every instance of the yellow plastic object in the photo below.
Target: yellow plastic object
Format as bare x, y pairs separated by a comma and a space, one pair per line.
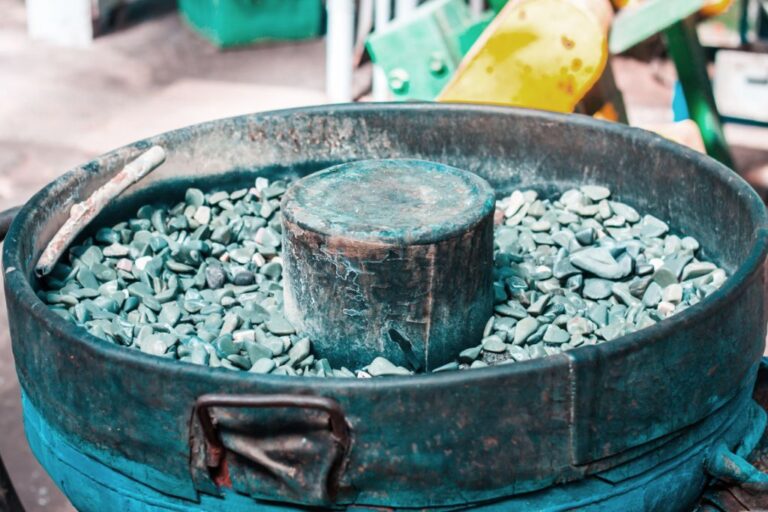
543, 54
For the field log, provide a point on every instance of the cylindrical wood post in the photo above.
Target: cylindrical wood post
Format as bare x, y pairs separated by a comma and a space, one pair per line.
389, 258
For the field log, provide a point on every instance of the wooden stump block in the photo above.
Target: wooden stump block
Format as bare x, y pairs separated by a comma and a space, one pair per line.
389, 258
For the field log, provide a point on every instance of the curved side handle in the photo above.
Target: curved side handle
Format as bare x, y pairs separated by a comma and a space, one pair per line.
731, 468
6, 217
304, 460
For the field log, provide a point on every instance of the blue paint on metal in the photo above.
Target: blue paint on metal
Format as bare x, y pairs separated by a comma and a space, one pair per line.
679, 105
92, 485
665, 477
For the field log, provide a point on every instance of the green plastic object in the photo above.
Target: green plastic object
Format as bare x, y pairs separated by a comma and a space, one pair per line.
228, 23
471, 34
420, 54
497, 5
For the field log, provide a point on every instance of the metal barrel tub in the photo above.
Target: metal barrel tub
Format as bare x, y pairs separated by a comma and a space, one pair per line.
638, 423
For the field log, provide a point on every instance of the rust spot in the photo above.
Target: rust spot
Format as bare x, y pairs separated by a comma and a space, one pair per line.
221, 476
521, 14
576, 64
567, 85
569, 44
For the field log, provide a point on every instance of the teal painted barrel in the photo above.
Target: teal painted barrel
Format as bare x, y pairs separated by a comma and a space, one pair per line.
622, 425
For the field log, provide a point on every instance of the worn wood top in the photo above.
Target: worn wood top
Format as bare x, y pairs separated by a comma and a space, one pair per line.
393, 201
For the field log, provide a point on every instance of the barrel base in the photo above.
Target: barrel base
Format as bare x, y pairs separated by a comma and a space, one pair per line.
674, 484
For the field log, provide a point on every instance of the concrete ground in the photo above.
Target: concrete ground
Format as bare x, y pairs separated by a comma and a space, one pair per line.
60, 107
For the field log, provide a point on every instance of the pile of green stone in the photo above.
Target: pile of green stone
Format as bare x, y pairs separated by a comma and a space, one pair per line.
201, 282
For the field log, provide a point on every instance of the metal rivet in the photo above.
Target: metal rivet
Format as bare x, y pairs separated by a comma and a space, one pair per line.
399, 80
437, 65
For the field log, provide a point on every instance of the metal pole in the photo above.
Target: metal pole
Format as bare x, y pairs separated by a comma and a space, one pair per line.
339, 46
382, 13
404, 8
476, 7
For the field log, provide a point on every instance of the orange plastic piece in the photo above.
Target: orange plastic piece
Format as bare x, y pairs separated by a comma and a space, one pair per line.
543, 54
607, 113
715, 7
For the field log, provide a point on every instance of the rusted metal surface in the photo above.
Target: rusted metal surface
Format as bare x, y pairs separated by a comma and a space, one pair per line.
306, 469
430, 440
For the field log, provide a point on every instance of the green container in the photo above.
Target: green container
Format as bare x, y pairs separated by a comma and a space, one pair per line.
238, 22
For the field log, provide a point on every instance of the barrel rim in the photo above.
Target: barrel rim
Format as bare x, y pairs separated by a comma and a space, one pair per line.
20, 287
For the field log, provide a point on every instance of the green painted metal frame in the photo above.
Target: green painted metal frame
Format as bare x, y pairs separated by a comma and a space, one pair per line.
691, 64
677, 21
420, 54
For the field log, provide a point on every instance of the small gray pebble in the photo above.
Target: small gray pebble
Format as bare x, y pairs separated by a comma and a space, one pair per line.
215, 277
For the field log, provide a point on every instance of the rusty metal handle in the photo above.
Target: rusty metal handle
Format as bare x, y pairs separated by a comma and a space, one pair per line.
6, 217
339, 429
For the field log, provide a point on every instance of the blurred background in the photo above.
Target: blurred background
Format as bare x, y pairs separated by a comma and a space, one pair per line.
81, 77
